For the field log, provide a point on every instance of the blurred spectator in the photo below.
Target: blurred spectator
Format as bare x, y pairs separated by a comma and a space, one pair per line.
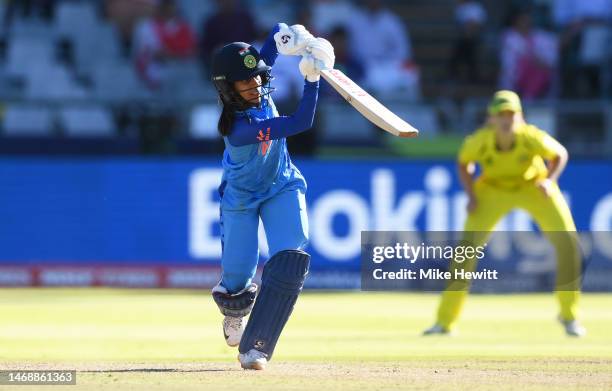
303, 16
165, 37
528, 58
585, 44
230, 23
470, 17
267, 13
562, 13
346, 61
125, 14
328, 14
567, 12
379, 39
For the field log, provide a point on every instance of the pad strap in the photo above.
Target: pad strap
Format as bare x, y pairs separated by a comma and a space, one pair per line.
237, 304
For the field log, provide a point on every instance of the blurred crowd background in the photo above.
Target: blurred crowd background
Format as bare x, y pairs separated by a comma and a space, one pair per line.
130, 77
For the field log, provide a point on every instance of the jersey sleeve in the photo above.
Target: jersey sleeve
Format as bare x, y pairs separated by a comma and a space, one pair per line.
269, 52
544, 144
259, 130
468, 152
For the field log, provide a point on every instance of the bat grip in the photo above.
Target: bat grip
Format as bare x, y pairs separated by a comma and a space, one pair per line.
320, 64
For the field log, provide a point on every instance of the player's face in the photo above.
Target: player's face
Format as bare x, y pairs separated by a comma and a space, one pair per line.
250, 90
505, 120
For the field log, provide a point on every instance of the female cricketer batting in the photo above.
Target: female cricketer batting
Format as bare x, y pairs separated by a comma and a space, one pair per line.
520, 165
260, 181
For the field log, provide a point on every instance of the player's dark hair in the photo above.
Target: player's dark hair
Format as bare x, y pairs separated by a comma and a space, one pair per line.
226, 121
232, 102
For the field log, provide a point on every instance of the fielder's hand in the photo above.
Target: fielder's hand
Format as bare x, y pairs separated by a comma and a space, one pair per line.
292, 41
472, 204
546, 187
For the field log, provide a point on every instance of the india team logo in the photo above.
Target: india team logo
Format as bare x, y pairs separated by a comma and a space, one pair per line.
250, 61
265, 142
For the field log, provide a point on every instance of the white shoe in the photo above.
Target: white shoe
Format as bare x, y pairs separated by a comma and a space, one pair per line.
232, 330
437, 329
253, 359
573, 328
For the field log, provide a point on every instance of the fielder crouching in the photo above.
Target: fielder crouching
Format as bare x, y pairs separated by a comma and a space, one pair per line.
260, 181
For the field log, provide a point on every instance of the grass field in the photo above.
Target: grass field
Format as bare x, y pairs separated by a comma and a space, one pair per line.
171, 340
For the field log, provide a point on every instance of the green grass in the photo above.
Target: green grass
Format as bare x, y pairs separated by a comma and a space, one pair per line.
440, 146
153, 339
395, 148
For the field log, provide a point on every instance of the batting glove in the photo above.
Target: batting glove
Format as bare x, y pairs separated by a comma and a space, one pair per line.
292, 41
322, 51
311, 68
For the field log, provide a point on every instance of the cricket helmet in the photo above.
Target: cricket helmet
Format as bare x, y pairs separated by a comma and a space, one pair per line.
234, 62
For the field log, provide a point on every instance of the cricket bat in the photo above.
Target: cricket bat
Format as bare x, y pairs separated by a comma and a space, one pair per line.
368, 106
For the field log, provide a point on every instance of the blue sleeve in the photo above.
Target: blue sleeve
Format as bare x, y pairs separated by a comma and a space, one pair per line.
259, 130
269, 52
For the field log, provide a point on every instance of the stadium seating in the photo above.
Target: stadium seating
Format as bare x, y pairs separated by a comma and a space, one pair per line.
203, 121
342, 126
86, 121
74, 19
76, 66
25, 53
53, 82
99, 44
195, 11
27, 120
116, 81
186, 84
421, 116
30, 28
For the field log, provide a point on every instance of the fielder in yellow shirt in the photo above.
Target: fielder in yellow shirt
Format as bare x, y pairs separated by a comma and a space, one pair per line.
519, 165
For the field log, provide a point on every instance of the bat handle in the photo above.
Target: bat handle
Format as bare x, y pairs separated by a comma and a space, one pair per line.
320, 64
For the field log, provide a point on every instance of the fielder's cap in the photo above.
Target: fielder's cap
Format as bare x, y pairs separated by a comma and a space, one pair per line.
505, 101
237, 61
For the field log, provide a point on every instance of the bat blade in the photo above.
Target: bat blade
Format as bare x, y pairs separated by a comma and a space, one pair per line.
367, 105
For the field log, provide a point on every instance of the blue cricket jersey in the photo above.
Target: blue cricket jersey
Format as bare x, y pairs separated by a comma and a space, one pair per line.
256, 162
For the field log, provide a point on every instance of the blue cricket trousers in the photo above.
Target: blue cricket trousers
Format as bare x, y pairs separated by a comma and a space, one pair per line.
285, 223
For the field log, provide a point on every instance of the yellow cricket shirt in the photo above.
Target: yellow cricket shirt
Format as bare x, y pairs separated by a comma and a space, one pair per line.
522, 164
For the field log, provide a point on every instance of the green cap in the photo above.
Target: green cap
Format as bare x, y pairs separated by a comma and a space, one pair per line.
505, 101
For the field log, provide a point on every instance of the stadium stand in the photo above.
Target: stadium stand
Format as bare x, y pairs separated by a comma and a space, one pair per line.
74, 63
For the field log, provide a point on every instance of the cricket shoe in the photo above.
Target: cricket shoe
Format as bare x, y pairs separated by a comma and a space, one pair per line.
573, 328
232, 330
253, 359
437, 329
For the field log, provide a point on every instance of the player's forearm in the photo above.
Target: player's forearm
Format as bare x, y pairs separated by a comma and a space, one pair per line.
304, 115
269, 52
302, 119
279, 127
557, 165
466, 177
